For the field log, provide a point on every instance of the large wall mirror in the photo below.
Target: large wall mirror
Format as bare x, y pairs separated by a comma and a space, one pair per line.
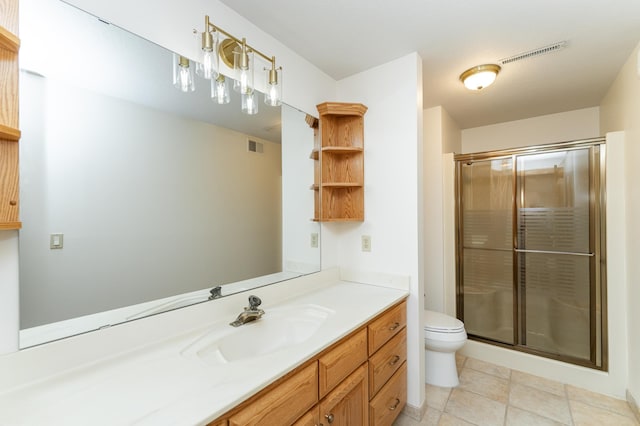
137, 198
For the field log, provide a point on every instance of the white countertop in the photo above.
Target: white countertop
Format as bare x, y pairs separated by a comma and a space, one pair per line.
160, 383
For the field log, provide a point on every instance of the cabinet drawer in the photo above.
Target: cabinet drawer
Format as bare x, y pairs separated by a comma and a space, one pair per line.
283, 404
387, 361
218, 423
341, 361
310, 418
389, 402
346, 405
386, 326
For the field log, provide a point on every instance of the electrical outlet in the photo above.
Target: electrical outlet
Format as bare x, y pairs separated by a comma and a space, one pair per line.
366, 243
314, 240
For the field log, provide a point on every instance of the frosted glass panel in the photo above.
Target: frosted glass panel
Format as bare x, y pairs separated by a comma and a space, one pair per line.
553, 206
487, 214
487, 197
488, 294
557, 303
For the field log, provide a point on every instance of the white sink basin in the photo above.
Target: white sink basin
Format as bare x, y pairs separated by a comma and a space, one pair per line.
278, 329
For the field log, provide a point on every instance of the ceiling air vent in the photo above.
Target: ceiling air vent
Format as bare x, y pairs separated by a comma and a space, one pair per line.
254, 146
536, 52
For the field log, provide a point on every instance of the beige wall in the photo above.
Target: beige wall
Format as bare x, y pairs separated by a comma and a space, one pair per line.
560, 127
620, 110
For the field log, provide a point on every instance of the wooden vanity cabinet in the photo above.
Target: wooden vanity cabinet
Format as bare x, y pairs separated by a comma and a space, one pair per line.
346, 384
387, 366
284, 404
9, 132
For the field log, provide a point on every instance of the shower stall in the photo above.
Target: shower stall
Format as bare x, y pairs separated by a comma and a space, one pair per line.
530, 250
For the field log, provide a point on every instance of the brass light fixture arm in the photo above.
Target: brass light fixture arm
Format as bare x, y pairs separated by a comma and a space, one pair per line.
209, 26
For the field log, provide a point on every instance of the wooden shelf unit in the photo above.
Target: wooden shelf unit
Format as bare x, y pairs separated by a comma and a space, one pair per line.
339, 162
9, 129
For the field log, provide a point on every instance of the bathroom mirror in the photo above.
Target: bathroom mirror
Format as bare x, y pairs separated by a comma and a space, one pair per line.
137, 198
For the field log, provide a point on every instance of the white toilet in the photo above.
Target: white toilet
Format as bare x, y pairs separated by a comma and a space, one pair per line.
443, 336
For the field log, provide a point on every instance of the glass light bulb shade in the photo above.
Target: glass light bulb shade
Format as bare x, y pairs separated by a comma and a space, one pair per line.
273, 95
479, 77
183, 75
220, 90
243, 67
208, 64
250, 103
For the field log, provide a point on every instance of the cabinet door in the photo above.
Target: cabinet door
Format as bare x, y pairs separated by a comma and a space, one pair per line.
310, 418
339, 362
347, 404
283, 404
391, 399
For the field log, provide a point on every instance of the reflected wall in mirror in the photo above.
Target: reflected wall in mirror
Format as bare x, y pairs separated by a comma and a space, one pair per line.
154, 193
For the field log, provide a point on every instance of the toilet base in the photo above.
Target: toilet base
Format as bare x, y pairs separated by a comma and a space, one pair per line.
440, 369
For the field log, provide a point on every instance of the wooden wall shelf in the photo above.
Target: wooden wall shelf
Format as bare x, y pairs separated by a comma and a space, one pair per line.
9, 133
8, 40
339, 162
9, 129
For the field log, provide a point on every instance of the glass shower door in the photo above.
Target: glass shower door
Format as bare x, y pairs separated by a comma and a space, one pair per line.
486, 201
555, 252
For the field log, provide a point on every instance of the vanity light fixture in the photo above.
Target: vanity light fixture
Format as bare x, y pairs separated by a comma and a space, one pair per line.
208, 65
273, 95
183, 78
480, 76
240, 56
220, 90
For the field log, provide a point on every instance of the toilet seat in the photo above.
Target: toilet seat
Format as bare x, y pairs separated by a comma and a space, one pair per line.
437, 322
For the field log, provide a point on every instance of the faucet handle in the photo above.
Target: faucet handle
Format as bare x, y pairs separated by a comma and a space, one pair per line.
254, 302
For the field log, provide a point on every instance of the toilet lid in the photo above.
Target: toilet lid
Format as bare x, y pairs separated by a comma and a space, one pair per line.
436, 321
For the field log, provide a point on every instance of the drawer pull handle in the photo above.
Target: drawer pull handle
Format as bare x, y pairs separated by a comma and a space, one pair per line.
395, 405
394, 326
394, 360
329, 418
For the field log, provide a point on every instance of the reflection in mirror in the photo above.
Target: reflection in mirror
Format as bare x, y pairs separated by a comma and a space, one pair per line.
137, 198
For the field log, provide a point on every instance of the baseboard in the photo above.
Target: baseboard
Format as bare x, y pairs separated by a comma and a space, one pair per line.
416, 413
633, 404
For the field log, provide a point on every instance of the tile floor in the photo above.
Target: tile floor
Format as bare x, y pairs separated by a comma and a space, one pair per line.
492, 395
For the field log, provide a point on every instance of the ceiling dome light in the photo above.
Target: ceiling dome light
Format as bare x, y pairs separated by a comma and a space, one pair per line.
480, 76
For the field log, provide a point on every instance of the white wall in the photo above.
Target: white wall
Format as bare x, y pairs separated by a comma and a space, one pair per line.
441, 135
560, 127
392, 141
177, 205
297, 198
620, 110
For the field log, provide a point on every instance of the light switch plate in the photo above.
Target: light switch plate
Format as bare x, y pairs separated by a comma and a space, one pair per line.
56, 241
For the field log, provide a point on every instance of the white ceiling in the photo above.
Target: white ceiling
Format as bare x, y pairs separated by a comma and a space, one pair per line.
348, 36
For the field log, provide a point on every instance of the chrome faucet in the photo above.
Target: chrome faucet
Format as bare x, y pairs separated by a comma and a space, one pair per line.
250, 313
216, 293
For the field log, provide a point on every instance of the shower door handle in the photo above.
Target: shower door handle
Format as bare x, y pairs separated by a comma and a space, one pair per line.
517, 250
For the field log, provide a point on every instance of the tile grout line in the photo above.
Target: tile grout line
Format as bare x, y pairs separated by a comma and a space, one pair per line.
566, 395
506, 409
